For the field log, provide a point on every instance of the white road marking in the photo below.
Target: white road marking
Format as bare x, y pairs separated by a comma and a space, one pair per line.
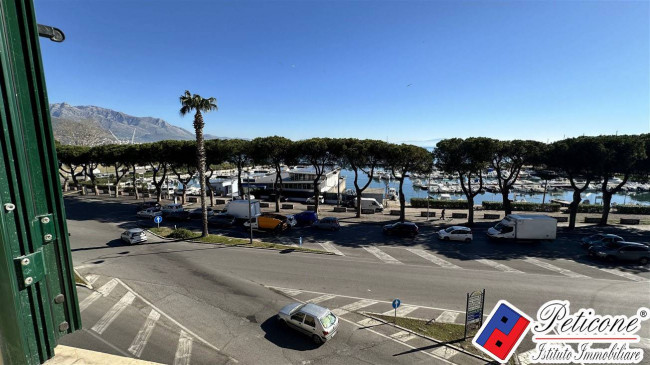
104, 291
447, 317
525, 358
187, 330
330, 247
112, 313
383, 256
359, 298
623, 274
432, 258
353, 306
92, 278
369, 322
402, 310
322, 298
184, 349
289, 292
444, 352
552, 267
497, 265
140, 341
403, 336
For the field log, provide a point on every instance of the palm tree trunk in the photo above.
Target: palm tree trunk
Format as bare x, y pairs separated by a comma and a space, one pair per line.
200, 156
402, 200
135, 185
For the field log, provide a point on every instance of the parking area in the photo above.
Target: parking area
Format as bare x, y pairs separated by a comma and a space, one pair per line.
365, 241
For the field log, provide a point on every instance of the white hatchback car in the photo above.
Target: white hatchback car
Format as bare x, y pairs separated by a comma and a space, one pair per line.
313, 320
134, 235
456, 233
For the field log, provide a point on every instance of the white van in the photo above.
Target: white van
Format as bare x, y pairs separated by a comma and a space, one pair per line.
370, 203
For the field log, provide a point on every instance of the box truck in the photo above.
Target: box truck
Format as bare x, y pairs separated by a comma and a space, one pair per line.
525, 227
239, 209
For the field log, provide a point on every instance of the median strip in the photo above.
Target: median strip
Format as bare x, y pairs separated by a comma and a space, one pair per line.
191, 236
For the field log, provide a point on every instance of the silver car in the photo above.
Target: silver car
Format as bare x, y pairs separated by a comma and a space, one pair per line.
134, 235
315, 321
329, 223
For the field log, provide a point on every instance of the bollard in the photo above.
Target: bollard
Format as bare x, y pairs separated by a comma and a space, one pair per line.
300, 241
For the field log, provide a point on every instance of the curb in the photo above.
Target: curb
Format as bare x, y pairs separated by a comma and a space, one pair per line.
371, 315
243, 245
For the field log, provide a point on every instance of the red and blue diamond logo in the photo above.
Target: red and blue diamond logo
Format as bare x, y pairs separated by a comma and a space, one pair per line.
504, 329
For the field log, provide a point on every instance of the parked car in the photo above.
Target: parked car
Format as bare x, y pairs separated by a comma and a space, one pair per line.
268, 223
222, 220
456, 233
315, 321
329, 223
271, 198
147, 205
134, 235
149, 213
179, 215
305, 218
600, 239
624, 251
172, 208
401, 229
196, 213
312, 200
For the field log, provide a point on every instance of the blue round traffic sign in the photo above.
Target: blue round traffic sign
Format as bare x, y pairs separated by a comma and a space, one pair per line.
157, 219
396, 303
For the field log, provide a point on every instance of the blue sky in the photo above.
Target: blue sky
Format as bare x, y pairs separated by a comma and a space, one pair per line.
398, 71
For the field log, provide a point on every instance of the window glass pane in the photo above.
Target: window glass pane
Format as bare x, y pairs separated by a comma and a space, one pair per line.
310, 321
298, 317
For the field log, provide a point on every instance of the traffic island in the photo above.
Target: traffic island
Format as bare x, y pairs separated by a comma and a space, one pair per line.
183, 234
448, 335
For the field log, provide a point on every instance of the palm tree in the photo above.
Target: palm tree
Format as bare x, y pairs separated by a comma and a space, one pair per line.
194, 102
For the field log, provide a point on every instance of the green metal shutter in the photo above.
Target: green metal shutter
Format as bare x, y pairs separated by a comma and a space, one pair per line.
38, 299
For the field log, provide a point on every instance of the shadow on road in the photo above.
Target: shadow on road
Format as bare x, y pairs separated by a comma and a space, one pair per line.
284, 337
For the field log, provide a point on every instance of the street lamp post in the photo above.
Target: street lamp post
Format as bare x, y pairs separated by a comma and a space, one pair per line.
250, 218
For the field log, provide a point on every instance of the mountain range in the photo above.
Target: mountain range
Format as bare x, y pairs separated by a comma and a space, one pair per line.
72, 123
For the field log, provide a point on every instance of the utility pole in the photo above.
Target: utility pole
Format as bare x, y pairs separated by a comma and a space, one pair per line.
250, 217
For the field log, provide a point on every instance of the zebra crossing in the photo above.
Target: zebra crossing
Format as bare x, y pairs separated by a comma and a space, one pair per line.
353, 310
462, 261
115, 301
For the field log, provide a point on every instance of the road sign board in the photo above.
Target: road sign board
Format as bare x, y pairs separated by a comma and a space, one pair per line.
474, 309
396, 303
157, 219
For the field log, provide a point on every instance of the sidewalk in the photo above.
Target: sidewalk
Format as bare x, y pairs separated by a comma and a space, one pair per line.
65, 355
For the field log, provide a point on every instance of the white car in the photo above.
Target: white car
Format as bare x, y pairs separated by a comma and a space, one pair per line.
456, 233
313, 320
134, 235
312, 200
149, 213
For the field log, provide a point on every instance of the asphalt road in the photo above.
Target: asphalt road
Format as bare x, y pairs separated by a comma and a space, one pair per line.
220, 302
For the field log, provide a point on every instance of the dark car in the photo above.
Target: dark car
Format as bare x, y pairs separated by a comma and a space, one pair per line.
600, 239
198, 214
623, 251
222, 220
178, 215
404, 229
147, 205
305, 218
271, 198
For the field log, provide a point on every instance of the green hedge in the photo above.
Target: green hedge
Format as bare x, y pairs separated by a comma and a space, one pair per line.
588, 208
523, 207
182, 233
633, 209
438, 204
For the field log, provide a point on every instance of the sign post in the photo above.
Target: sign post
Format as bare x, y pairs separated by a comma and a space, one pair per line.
157, 219
474, 310
396, 303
